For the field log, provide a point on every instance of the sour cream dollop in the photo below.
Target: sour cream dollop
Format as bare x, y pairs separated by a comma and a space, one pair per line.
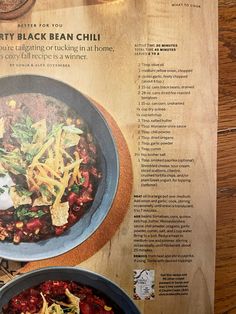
5, 198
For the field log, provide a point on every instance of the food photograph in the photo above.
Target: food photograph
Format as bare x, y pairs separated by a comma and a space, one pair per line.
58, 168
58, 290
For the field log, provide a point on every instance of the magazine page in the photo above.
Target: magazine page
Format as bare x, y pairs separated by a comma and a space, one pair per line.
108, 117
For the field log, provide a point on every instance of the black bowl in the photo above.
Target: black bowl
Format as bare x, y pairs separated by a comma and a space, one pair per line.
109, 164
119, 299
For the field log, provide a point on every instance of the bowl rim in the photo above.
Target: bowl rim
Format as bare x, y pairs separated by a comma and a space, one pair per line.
85, 98
18, 12
77, 270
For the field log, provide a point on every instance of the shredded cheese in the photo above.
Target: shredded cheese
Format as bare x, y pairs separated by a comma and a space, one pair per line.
74, 301
48, 167
44, 309
57, 149
32, 183
72, 166
42, 151
64, 152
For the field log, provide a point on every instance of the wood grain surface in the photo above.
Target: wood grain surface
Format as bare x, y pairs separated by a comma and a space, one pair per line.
225, 298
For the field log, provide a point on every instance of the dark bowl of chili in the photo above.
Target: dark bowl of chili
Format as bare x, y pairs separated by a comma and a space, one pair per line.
115, 298
108, 165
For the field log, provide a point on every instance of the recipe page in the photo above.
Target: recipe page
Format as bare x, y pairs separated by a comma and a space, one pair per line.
108, 126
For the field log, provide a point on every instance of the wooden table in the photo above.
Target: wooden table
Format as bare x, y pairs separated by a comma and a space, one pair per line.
225, 301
